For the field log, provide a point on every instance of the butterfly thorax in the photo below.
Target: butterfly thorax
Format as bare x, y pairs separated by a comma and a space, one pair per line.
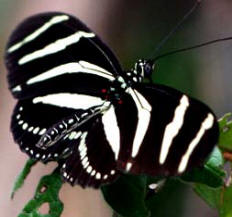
142, 69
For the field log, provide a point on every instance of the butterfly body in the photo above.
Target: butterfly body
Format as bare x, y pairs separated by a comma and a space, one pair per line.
78, 107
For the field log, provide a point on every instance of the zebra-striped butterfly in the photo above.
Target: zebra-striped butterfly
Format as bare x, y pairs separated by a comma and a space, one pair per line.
78, 107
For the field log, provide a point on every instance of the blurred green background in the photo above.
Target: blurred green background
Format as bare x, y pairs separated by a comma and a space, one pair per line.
132, 29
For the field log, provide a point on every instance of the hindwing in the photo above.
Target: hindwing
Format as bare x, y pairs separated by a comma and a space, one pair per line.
177, 132
93, 160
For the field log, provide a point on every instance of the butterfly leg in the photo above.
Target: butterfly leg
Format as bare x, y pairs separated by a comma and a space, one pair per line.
67, 125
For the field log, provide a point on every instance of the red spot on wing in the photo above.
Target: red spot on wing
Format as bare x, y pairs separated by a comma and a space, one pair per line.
104, 90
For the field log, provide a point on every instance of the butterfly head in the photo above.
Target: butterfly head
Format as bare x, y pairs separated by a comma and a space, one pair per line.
144, 68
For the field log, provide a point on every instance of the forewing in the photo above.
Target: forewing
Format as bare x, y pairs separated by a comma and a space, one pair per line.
179, 132
55, 52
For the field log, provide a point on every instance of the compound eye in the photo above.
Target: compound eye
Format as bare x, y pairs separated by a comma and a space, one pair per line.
147, 69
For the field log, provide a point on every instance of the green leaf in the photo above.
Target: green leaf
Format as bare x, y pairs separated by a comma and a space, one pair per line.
22, 176
226, 202
129, 197
47, 192
215, 159
211, 174
218, 198
210, 195
169, 200
225, 126
126, 196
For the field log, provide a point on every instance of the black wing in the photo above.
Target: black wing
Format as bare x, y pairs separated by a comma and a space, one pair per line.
169, 131
56, 66
55, 52
58, 69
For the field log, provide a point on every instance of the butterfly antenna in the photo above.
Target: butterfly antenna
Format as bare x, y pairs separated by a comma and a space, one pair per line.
178, 25
191, 48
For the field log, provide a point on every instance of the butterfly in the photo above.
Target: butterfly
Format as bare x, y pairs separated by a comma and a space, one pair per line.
77, 106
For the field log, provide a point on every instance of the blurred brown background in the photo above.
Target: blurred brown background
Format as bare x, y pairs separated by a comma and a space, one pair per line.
132, 28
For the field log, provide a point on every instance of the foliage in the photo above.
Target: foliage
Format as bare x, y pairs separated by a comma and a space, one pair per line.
47, 192
22, 176
220, 198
